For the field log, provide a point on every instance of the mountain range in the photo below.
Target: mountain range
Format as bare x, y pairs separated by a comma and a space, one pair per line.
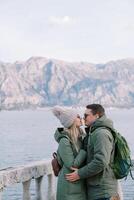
40, 82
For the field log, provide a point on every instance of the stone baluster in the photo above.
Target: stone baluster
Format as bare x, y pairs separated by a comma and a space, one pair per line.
26, 190
38, 182
51, 187
1, 191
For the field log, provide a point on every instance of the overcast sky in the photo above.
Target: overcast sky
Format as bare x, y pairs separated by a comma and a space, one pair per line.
73, 30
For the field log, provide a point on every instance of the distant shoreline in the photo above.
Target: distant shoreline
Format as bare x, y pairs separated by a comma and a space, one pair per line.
77, 107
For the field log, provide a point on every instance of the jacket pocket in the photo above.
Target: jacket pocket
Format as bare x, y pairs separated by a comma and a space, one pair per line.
95, 180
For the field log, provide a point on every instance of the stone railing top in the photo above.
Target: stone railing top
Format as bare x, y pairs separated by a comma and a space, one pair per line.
10, 176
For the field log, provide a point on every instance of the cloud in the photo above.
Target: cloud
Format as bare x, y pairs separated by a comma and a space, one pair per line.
61, 20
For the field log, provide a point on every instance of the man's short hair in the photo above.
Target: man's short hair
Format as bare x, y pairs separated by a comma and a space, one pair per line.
96, 109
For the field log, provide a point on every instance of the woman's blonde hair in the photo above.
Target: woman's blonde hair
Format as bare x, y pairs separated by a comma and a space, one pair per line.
74, 134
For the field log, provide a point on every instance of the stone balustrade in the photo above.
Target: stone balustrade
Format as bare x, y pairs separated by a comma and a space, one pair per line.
24, 174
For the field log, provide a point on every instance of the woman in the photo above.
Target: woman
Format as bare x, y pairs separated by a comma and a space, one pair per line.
69, 154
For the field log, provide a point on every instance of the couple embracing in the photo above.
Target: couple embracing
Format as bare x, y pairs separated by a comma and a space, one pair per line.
86, 173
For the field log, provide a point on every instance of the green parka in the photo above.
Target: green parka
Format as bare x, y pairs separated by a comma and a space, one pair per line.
68, 157
101, 182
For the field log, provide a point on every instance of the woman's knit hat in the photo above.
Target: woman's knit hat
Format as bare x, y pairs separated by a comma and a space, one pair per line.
65, 115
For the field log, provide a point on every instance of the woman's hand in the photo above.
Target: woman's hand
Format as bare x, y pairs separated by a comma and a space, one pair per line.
74, 168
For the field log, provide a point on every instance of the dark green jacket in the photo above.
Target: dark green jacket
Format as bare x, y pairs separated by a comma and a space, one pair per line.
101, 181
68, 157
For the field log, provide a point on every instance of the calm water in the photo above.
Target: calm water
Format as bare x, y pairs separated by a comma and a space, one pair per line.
28, 136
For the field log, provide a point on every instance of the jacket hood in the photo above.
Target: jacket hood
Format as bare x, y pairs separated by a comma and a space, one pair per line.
102, 122
60, 133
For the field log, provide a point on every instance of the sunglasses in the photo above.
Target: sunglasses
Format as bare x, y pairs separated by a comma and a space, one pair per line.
85, 115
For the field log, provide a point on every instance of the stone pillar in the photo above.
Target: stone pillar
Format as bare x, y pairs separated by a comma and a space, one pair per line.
51, 187
38, 182
26, 190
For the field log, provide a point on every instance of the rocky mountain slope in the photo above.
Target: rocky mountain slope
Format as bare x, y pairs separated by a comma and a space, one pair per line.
40, 82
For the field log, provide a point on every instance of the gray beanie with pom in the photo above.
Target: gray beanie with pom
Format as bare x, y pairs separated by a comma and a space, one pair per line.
65, 115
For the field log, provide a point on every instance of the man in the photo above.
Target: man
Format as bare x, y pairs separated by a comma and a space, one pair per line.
101, 182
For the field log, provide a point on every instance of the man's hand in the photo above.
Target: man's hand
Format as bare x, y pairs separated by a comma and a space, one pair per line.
73, 176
